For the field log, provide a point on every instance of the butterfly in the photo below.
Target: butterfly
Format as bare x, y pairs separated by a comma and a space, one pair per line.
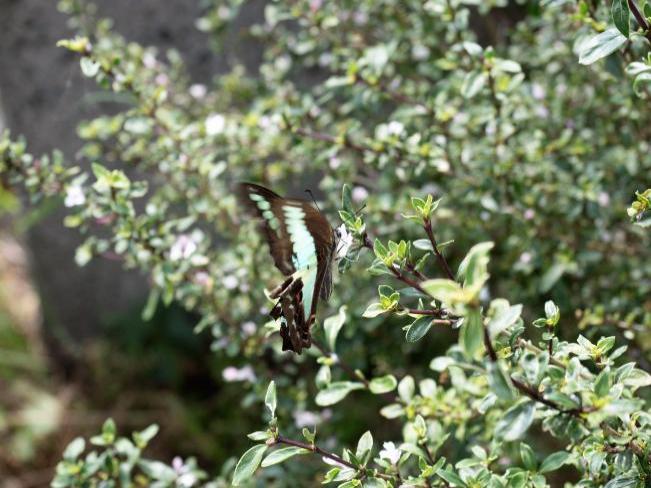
303, 246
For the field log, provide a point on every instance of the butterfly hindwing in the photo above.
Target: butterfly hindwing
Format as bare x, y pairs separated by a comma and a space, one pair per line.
301, 242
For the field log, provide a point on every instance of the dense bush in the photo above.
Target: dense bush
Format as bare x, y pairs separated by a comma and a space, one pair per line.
464, 138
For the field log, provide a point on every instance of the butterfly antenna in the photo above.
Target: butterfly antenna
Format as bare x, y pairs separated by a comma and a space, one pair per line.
309, 192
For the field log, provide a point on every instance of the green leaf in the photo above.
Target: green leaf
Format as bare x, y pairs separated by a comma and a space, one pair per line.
346, 199
248, 464
499, 382
74, 449
471, 335
474, 267
406, 388
515, 422
109, 431
528, 456
624, 481
152, 304
423, 244
552, 312
364, 447
601, 46
441, 289
142, 438
451, 477
332, 326
335, 392
503, 318
89, 67
260, 435
383, 384
551, 276
373, 310
270, 398
472, 84
417, 329
280, 455
621, 15
602, 383
554, 461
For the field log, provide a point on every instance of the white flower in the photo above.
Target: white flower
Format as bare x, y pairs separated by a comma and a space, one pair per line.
162, 79
419, 52
249, 328
395, 128
185, 478
149, 60
334, 162
232, 373
390, 452
603, 198
215, 124
359, 194
345, 241
74, 196
529, 214
198, 90
537, 91
183, 248
525, 257
230, 282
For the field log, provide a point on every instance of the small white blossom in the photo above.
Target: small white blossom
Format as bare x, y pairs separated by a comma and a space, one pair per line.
529, 214
334, 162
359, 194
162, 79
525, 257
395, 128
149, 60
231, 374
74, 196
420, 52
230, 282
603, 198
390, 452
185, 478
183, 248
202, 279
198, 90
345, 241
249, 328
537, 91
215, 124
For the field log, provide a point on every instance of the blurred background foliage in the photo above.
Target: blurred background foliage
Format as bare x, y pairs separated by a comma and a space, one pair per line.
484, 104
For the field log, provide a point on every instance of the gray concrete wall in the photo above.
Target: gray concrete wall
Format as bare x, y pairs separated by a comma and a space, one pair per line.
44, 97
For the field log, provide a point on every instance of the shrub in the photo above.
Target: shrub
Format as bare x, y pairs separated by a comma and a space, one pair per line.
460, 146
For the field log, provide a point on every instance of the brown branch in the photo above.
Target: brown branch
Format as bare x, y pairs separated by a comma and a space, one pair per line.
442, 261
330, 455
639, 17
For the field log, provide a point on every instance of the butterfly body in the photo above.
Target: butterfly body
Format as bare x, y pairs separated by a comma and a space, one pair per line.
302, 245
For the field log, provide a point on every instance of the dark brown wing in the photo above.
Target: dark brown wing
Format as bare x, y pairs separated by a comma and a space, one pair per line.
256, 199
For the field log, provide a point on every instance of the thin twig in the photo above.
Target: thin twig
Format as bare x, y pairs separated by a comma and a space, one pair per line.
330, 455
345, 366
442, 261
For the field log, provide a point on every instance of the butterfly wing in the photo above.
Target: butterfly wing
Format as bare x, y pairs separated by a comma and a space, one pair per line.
267, 206
301, 242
